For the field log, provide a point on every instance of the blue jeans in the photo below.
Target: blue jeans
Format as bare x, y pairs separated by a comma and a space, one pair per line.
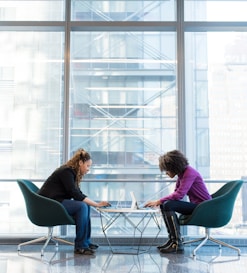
80, 211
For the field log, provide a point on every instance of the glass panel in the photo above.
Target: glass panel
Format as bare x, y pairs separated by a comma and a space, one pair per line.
114, 10
43, 10
123, 100
210, 10
31, 96
216, 96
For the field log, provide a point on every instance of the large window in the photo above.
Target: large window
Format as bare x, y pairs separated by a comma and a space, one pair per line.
127, 81
31, 105
123, 100
215, 77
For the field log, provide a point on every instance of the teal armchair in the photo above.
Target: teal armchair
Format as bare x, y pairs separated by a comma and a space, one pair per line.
214, 213
43, 212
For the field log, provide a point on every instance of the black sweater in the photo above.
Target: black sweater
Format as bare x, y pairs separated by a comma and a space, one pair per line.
61, 185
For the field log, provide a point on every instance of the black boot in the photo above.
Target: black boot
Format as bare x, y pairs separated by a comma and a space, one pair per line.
176, 244
168, 242
174, 247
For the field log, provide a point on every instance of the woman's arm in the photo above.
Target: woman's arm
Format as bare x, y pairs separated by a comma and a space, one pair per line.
95, 204
183, 185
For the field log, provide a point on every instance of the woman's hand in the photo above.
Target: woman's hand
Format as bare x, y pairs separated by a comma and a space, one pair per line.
96, 204
153, 203
104, 204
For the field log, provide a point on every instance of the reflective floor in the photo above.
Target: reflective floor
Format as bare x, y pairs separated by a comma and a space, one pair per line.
209, 259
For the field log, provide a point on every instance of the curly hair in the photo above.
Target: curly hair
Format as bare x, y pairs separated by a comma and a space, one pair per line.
73, 163
173, 161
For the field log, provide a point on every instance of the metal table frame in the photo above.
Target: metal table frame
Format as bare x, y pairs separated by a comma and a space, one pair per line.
109, 216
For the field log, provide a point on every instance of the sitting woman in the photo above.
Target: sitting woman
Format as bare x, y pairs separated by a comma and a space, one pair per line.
189, 182
63, 185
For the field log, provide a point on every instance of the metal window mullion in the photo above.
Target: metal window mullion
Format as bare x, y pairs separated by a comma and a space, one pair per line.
181, 135
66, 125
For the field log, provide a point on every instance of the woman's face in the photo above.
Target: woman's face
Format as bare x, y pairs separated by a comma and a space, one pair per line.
85, 166
171, 174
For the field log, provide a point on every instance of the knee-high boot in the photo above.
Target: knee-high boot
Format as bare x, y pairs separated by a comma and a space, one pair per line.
173, 227
168, 242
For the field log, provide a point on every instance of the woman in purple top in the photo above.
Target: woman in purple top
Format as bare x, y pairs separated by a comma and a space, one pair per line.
190, 183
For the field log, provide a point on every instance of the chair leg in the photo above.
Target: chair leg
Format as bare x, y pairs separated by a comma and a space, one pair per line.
208, 237
194, 240
62, 241
225, 244
47, 239
31, 242
203, 240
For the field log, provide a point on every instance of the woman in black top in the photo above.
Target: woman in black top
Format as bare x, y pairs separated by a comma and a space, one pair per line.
63, 185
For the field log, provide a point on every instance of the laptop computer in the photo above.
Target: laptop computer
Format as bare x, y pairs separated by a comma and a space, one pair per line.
134, 205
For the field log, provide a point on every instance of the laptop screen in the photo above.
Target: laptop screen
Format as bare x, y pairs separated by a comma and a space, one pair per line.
134, 204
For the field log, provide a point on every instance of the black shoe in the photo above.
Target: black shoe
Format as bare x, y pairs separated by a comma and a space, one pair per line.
174, 247
93, 246
84, 251
165, 244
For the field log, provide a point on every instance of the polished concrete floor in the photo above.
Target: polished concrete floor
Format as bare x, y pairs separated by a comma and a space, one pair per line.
209, 259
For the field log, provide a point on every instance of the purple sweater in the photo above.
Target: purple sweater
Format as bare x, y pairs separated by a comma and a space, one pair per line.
189, 183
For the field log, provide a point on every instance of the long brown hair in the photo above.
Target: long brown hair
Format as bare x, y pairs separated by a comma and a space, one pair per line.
73, 163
